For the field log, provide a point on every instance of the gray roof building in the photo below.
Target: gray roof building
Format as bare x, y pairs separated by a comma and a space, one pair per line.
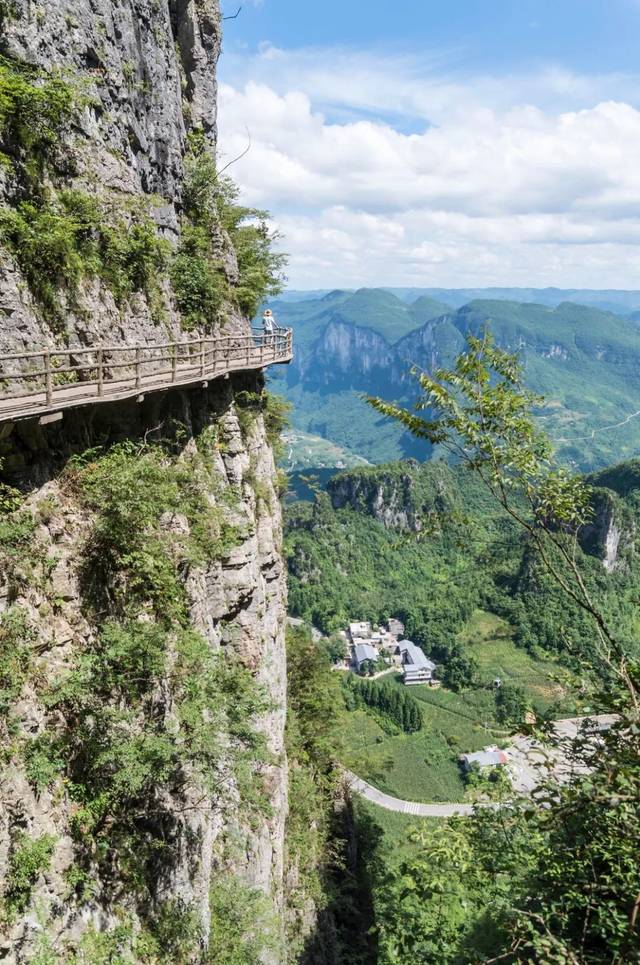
485, 759
414, 657
364, 651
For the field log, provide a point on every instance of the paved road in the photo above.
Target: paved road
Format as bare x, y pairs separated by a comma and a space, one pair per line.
371, 793
524, 753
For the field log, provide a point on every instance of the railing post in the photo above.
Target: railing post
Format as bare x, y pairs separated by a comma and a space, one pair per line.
48, 378
174, 363
138, 353
100, 373
202, 365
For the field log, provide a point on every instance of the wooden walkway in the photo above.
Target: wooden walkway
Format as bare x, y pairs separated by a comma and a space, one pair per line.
43, 384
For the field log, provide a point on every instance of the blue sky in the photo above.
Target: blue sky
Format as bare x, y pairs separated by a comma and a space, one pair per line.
581, 34
464, 143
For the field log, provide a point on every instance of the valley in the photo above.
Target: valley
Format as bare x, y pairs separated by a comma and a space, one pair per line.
424, 543
581, 355
302, 591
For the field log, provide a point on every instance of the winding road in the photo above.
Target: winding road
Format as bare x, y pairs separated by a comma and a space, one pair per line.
371, 793
525, 756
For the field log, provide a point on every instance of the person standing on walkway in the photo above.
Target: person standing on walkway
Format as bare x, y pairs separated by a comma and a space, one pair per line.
268, 327
268, 322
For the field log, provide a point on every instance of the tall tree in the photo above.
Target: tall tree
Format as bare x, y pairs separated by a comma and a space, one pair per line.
559, 883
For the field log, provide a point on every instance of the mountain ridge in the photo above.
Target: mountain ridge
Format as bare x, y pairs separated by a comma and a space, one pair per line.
584, 360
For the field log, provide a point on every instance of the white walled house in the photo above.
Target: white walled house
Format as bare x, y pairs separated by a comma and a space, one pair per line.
359, 631
416, 667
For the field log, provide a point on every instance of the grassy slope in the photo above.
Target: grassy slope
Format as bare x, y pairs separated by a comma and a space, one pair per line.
424, 766
392, 832
488, 639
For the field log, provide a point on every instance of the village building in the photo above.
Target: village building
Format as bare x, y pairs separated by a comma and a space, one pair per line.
488, 758
396, 628
382, 643
416, 667
363, 652
360, 631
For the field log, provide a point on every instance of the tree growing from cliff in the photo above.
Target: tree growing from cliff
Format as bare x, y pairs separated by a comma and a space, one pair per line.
559, 883
211, 209
480, 412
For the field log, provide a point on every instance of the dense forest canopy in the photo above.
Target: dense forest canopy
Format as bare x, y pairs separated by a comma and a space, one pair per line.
551, 879
344, 564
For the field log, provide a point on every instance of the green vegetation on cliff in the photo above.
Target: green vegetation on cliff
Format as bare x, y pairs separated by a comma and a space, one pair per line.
212, 214
61, 234
143, 712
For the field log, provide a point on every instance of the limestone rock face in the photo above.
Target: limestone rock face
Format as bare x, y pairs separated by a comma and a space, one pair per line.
610, 533
148, 70
149, 67
237, 603
391, 498
141, 59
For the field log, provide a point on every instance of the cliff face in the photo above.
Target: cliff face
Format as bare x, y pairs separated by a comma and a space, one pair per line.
401, 496
161, 605
236, 602
611, 533
390, 498
348, 351
145, 72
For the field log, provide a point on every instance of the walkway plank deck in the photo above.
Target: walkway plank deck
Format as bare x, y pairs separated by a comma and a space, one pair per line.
46, 383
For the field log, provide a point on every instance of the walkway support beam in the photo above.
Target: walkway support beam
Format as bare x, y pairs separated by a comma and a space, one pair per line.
48, 378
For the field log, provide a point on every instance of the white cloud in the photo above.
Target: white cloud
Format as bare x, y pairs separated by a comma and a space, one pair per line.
520, 180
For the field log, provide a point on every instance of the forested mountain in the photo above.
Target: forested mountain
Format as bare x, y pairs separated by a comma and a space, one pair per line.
584, 360
426, 543
608, 300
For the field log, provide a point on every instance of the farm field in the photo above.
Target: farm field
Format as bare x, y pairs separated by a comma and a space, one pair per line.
547, 684
416, 767
424, 766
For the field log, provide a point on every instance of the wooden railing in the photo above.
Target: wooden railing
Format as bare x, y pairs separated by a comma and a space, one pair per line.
37, 383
